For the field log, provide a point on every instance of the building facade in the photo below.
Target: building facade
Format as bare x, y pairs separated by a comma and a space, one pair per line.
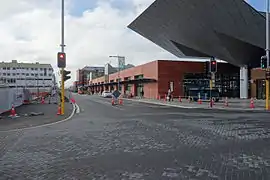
156, 77
26, 75
87, 73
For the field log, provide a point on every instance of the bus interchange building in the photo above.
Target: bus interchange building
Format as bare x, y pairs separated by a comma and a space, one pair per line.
192, 28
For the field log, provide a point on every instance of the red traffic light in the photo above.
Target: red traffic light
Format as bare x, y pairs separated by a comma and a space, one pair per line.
62, 56
213, 62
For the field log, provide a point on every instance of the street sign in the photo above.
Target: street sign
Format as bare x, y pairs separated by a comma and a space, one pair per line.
116, 93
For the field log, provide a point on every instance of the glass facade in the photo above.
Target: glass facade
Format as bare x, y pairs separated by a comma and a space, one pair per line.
227, 84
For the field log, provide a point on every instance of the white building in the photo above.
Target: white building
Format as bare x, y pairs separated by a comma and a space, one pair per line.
26, 75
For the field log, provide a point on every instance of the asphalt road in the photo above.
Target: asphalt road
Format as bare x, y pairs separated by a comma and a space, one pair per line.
141, 141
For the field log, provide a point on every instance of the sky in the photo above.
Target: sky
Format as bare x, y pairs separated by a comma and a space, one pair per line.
94, 30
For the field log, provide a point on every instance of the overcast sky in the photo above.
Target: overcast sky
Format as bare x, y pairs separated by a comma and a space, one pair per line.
95, 29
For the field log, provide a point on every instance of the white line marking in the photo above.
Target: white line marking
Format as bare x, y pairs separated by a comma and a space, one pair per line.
77, 109
44, 125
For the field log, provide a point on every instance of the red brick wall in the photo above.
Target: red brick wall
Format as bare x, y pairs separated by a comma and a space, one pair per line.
174, 71
149, 70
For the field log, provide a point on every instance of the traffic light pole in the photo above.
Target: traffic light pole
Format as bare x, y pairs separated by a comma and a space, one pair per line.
267, 57
63, 50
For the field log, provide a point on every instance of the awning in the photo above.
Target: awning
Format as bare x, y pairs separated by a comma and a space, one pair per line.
133, 81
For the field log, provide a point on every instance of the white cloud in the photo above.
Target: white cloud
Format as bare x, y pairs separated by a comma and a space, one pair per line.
30, 31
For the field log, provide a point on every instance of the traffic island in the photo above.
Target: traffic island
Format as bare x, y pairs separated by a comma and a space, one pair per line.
33, 115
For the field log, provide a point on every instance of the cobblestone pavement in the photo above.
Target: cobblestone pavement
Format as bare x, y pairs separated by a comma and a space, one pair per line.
141, 141
50, 116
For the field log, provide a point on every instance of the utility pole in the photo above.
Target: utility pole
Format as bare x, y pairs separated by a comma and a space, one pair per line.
62, 45
267, 57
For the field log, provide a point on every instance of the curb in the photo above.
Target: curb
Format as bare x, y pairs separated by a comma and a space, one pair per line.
48, 124
163, 104
188, 107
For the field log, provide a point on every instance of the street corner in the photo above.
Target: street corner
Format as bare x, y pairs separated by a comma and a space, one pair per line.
33, 115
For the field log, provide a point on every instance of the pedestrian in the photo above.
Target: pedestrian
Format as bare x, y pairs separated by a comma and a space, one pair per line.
169, 94
142, 93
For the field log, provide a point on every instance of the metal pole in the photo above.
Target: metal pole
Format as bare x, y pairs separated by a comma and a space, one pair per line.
63, 50
267, 56
118, 73
211, 87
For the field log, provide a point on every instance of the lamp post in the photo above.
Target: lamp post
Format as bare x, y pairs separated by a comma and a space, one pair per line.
121, 62
267, 56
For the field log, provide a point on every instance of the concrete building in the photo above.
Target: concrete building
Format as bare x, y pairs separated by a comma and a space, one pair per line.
156, 77
235, 34
29, 75
88, 72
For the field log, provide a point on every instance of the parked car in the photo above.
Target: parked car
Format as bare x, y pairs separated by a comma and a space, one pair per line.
106, 94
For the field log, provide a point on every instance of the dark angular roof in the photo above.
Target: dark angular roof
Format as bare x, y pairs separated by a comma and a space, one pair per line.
230, 30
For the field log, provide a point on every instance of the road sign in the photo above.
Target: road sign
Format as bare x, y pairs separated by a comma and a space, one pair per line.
116, 93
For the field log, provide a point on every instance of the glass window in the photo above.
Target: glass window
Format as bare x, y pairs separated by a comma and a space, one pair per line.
35, 68
13, 74
18, 73
32, 69
4, 74
27, 74
8, 74
41, 68
23, 73
8, 68
41, 74
14, 68
4, 68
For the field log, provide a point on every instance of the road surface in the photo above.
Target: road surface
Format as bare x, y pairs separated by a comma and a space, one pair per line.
141, 141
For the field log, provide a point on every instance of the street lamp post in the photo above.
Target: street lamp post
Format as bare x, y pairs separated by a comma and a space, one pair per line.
267, 56
119, 68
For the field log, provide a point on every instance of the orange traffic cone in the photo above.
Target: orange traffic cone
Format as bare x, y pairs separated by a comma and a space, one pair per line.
113, 101
13, 111
226, 104
42, 100
180, 100
120, 101
59, 110
252, 106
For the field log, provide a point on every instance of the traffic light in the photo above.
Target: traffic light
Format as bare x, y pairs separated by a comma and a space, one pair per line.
65, 75
61, 59
263, 62
213, 65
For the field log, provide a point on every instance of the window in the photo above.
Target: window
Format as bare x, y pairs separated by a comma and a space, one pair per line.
4, 74
27, 68
18, 73
23, 73
4, 68
32, 69
50, 74
32, 74
14, 68
13, 74
8, 68
41, 74
41, 69
35, 68
27, 74
8, 74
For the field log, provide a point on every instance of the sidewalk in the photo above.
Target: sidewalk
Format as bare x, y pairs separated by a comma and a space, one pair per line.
242, 105
24, 120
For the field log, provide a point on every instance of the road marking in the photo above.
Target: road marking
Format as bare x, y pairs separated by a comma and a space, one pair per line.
44, 125
77, 109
